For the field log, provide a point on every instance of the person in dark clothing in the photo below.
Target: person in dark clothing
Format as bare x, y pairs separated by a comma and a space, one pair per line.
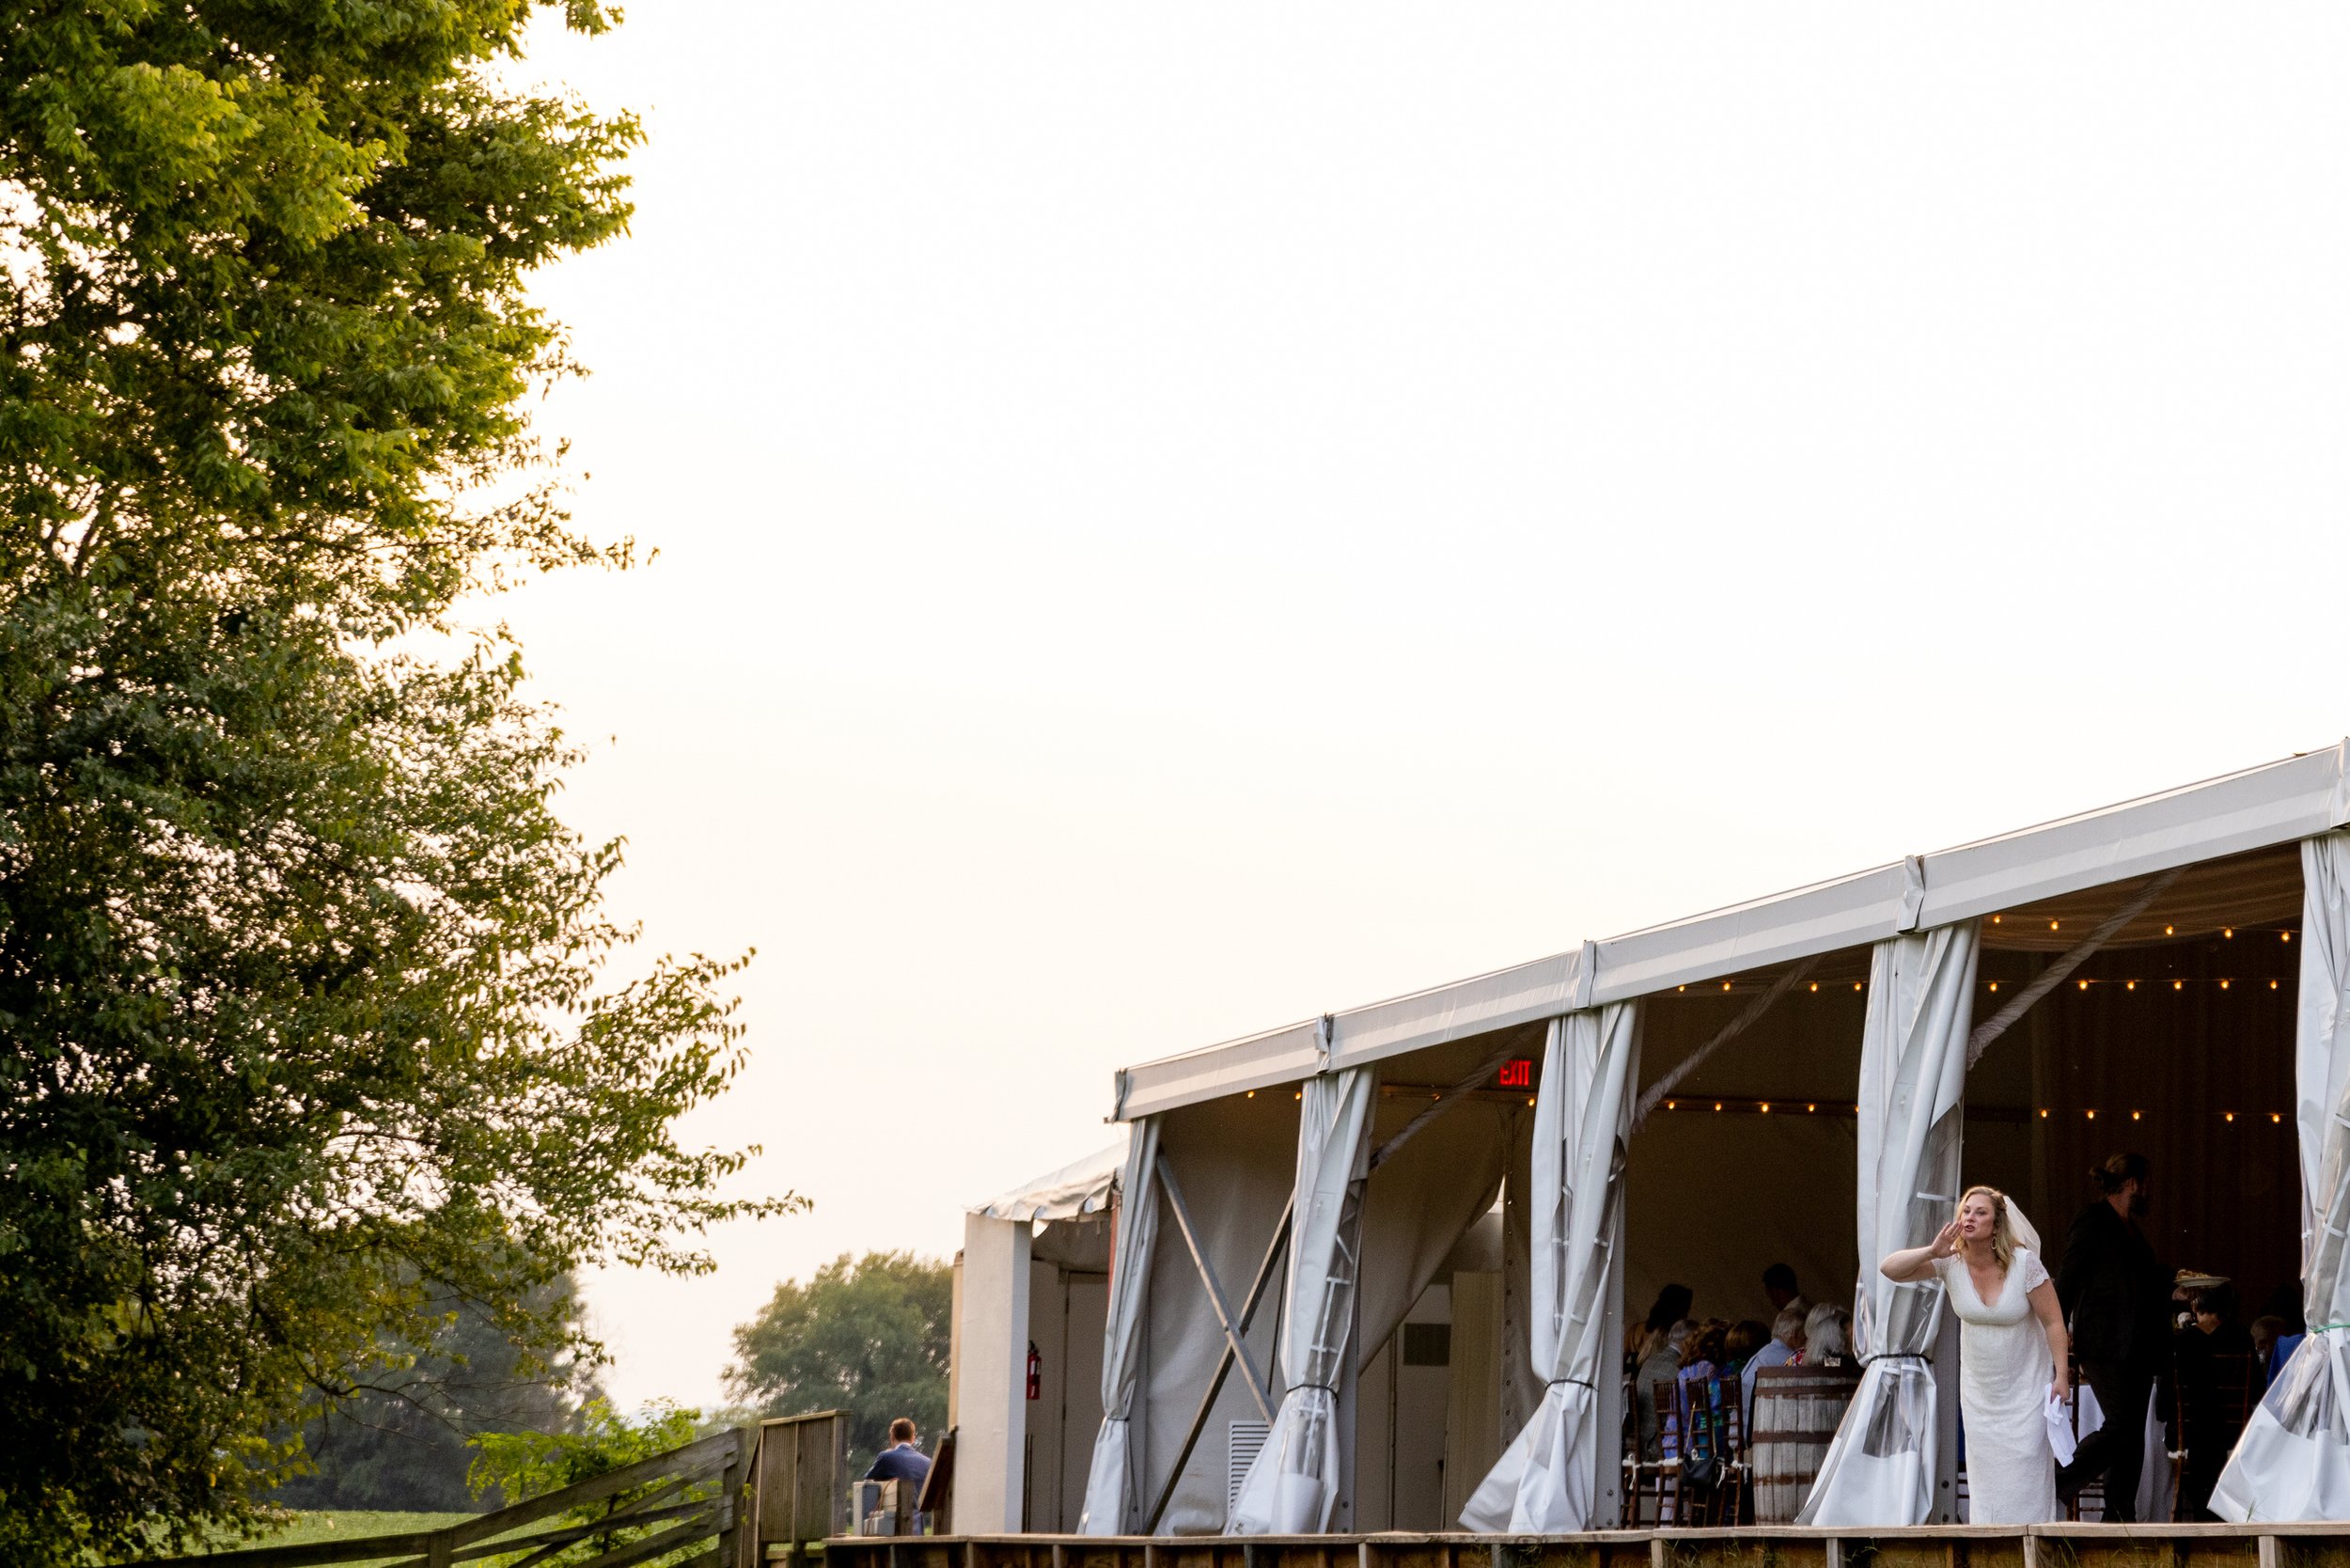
902, 1458
2214, 1359
2118, 1300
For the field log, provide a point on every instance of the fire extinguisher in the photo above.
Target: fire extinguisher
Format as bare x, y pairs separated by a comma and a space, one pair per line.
1036, 1372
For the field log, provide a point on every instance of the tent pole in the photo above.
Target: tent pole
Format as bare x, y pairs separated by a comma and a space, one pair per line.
1222, 1367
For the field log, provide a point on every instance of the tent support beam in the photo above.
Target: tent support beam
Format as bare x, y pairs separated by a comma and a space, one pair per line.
2054, 975
1452, 1097
1737, 1026
1223, 1368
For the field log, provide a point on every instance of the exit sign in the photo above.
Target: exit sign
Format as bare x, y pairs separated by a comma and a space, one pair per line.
1518, 1074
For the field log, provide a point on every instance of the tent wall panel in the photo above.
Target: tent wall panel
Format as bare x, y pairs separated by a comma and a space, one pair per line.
1236, 1159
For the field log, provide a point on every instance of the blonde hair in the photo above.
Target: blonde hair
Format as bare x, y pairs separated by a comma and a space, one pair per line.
2002, 1230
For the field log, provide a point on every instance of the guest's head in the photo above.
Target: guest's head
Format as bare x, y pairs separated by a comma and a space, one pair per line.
1826, 1333
1744, 1339
2266, 1331
1787, 1328
1778, 1283
1706, 1344
1672, 1305
2122, 1179
1982, 1216
2216, 1307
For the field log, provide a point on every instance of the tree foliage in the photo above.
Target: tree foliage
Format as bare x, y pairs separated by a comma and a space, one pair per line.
305, 1027
411, 1447
866, 1335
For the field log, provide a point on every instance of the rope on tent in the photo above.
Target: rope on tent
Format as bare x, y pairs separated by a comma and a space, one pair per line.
1738, 1025
1450, 1098
2054, 975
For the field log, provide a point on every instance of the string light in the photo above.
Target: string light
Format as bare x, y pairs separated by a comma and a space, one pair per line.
1717, 1105
1529, 1099
1995, 920
2232, 1116
1725, 985
1815, 985
2093, 1116
2169, 930
2132, 1116
1672, 1104
1812, 1107
2044, 1113
2129, 985
2178, 986
1252, 1094
1856, 985
2052, 925
2285, 936
1766, 1107
1995, 985
2223, 985
2274, 1117
2272, 985
2228, 931
2084, 985
1299, 1096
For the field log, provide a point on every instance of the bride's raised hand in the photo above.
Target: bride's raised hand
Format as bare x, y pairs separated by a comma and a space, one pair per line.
1945, 1242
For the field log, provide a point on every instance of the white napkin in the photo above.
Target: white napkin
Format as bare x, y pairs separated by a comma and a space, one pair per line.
2058, 1416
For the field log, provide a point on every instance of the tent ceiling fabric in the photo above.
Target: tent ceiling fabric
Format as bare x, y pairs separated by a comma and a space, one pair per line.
2082, 866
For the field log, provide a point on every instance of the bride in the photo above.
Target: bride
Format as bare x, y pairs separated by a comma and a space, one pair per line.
2011, 1354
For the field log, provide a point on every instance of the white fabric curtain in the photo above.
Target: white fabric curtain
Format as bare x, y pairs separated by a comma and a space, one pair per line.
2294, 1459
1880, 1469
1294, 1483
1547, 1482
1110, 1485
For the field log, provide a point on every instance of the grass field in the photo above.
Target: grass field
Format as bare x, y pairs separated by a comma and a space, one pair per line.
341, 1524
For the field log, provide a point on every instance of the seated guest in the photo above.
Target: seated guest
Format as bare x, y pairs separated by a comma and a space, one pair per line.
1744, 1340
1660, 1363
1826, 1337
1786, 1341
1670, 1307
1702, 1371
1779, 1284
2203, 1395
2266, 1332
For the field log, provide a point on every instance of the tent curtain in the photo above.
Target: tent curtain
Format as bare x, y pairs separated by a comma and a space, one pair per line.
2294, 1459
1880, 1469
1110, 1485
1294, 1483
1418, 1207
1547, 1479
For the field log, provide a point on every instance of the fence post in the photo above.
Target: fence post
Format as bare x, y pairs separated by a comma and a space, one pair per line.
732, 1536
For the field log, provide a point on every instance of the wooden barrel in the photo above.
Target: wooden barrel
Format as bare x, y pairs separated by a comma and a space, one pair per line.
1797, 1410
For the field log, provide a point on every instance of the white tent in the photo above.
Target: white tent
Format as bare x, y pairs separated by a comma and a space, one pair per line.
1213, 1354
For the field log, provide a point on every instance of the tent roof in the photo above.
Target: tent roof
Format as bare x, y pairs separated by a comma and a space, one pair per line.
1082, 1186
2045, 865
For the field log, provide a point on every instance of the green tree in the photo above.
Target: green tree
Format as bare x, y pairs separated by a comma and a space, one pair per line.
869, 1336
305, 1019
406, 1443
517, 1467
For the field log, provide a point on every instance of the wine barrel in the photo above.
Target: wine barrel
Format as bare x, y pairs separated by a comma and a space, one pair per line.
1797, 1410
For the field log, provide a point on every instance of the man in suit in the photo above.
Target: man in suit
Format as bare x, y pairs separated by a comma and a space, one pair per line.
2118, 1300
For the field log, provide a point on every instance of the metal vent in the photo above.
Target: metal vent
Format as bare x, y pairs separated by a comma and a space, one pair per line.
1248, 1441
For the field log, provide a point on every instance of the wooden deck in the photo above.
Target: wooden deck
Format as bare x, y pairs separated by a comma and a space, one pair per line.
2058, 1545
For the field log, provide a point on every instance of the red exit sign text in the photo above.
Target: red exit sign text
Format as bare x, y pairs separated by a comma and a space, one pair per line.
1518, 1074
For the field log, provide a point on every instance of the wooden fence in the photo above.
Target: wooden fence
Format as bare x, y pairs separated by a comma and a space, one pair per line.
658, 1508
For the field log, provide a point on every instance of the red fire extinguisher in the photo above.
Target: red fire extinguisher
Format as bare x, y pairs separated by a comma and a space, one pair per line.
1036, 1372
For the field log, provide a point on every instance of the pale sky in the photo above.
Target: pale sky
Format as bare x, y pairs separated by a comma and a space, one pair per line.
1176, 519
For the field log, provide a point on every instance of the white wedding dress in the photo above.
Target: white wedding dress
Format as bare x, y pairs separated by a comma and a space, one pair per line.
2003, 1378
